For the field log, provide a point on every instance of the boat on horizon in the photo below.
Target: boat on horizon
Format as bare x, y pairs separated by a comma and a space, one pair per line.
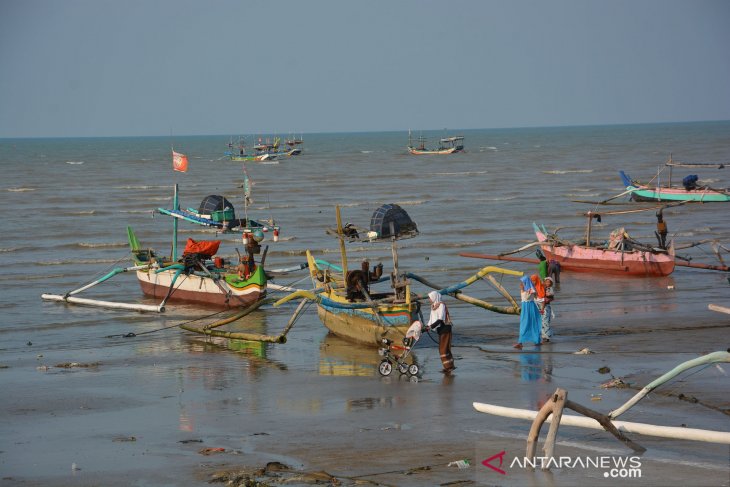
447, 145
691, 190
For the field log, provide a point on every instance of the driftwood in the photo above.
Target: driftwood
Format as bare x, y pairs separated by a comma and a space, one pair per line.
554, 407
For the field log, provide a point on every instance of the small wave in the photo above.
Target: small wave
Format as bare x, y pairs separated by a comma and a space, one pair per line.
567, 171
366, 152
78, 262
497, 198
83, 212
136, 211
143, 187
465, 173
21, 190
102, 244
159, 198
9, 249
411, 202
482, 149
75, 163
582, 194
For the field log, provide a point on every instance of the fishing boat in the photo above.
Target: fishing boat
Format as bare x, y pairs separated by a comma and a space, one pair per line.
199, 275
690, 190
447, 145
620, 254
349, 303
262, 152
294, 145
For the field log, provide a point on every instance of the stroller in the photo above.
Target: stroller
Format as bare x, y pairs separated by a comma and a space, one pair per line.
391, 357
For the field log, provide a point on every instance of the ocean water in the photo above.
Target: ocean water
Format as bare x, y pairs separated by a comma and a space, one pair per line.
67, 203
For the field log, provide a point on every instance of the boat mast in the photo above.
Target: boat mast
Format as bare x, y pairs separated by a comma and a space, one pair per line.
341, 235
175, 206
588, 228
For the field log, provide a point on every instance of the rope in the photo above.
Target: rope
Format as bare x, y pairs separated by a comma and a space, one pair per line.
132, 334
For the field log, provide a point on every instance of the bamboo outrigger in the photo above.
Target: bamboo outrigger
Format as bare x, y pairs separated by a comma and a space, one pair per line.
347, 302
599, 421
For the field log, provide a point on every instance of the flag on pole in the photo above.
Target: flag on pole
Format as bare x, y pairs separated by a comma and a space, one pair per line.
179, 162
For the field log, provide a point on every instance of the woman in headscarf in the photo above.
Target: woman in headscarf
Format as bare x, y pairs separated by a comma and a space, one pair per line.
440, 321
529, 315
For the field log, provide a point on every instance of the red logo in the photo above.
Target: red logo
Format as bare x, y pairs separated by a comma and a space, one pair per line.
499, 455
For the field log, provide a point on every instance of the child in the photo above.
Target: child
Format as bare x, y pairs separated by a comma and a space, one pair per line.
547, 316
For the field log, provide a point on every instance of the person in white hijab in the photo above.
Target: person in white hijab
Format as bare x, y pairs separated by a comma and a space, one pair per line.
440, 321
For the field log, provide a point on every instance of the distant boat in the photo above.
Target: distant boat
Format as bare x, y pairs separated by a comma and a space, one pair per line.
691, 189
262, 152
447, 145
618, 255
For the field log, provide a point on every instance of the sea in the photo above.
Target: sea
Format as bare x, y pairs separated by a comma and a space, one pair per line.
67, 203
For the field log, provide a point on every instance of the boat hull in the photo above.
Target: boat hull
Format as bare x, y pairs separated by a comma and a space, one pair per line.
638, 263
361, 326
426, 152
641, 192
201, 289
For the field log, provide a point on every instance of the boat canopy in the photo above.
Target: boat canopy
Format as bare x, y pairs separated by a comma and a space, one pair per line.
392, 221
213, 203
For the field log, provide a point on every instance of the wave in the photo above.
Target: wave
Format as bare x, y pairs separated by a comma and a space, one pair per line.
75, 163
464, 173
9, 249
366, 152
77, 262
102, 244
497, 198
82, 212
21, 190
411, 202
143, 187
568, 171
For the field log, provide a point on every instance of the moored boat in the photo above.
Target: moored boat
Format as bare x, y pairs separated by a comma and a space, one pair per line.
349, 303
692, 189
619, 255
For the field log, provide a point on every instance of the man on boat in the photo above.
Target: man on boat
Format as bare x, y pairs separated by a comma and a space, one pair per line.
661, 230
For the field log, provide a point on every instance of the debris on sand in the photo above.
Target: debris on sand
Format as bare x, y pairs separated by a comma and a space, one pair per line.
615, 382
583, 351
211, 451
73, 365
604, 370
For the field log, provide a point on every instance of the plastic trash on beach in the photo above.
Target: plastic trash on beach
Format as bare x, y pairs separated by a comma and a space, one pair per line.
583, 351
460, 463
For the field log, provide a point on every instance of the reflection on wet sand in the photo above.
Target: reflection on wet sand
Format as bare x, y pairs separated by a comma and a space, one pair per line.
342, 358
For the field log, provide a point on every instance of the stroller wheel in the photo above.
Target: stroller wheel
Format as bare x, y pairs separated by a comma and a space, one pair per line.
403, 368
413, 369
385, 368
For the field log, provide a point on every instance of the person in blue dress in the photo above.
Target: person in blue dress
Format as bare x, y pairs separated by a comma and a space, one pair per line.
530, 322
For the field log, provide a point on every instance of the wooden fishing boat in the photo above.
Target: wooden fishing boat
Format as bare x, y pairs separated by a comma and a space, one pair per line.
348, 301
262, 152
619, 255
447, 145
199, 275
690, 190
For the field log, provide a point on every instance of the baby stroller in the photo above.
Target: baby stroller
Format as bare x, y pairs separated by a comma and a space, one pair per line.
391, 357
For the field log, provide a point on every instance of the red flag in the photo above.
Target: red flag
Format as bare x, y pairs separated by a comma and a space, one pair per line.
179, 162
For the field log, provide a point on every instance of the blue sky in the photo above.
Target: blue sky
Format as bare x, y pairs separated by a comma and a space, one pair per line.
156, 67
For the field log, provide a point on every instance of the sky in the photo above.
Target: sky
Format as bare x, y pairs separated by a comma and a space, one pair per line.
78, 68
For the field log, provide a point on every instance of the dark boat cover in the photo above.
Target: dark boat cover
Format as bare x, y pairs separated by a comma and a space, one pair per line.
214, 202
392, 221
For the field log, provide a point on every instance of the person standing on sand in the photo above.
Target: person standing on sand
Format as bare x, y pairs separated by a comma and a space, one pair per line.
547, 315
529, 314
440, 321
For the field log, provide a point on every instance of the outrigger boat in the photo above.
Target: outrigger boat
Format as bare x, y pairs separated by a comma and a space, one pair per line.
691, 189
198, 275
619, 255
348, 303
262, 152
447, 145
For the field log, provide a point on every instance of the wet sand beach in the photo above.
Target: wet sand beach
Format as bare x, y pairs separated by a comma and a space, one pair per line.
143, 410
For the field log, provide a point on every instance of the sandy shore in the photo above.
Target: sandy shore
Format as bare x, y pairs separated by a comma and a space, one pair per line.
172, 409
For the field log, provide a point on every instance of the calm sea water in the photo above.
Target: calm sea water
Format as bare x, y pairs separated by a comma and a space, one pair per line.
67, 203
